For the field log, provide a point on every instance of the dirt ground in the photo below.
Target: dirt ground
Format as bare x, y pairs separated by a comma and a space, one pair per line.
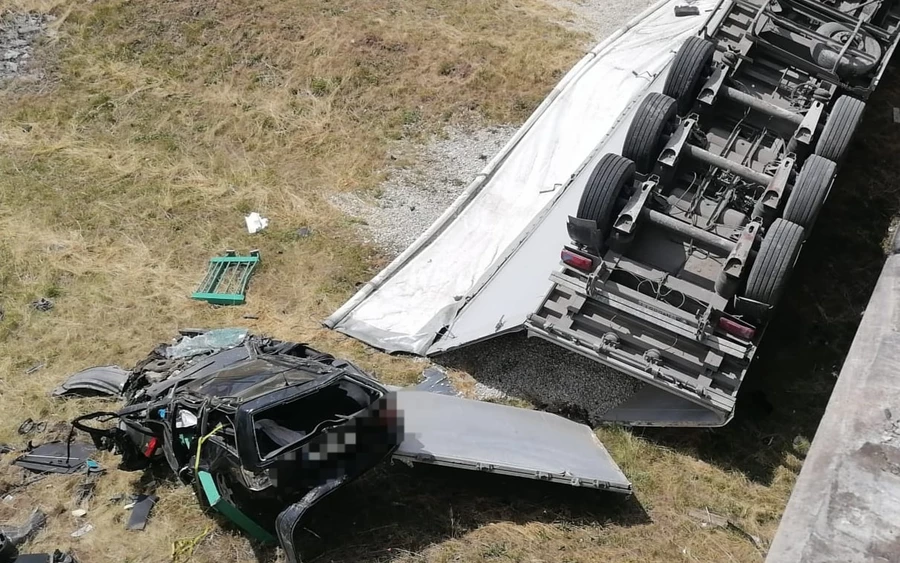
154, 126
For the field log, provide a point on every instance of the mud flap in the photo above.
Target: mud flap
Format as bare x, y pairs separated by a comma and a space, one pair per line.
475, 435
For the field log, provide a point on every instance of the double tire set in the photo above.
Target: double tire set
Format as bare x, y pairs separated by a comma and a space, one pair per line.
612, 180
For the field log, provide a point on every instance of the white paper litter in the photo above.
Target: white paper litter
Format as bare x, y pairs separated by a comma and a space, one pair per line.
256, 222
82, 530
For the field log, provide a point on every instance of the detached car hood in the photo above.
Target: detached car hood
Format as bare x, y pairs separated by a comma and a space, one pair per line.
476, 435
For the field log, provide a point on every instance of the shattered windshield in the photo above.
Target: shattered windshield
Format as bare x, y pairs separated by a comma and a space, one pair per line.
250, 378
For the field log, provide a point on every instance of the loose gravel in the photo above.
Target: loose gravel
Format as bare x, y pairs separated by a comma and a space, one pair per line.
18, 35
599, 18
414, 196
543, 374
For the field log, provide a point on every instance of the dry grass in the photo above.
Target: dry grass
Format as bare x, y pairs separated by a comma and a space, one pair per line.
167, 120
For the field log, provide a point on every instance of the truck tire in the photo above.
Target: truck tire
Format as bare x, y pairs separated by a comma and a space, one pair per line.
774, 262
842, 122
809, 191
653, 122
850, 65
612, 177
691, 65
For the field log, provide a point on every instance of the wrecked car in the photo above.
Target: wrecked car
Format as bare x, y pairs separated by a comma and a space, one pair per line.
264, 429
258, 427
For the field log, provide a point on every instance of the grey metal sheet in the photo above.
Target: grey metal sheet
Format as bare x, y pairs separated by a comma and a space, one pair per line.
100, 380
651, 406
475, 435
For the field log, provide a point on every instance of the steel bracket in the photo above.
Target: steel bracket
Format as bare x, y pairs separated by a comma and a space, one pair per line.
626, 222
671, 153
807, 128
710, 90
737, 260
768, 204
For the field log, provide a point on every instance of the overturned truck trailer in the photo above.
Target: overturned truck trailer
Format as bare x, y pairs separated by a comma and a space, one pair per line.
714, 143
684, 241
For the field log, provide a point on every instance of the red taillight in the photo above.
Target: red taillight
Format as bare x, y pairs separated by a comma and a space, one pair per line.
736, 328
151, 446
578, 261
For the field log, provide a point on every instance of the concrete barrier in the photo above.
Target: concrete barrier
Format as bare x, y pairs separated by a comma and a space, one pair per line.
845, 506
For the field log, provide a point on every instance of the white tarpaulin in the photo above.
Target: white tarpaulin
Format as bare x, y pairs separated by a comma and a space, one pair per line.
421, 294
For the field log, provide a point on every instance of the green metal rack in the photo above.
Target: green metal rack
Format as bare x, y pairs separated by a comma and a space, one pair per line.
227, 279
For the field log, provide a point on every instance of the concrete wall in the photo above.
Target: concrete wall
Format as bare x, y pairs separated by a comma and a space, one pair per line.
845, 507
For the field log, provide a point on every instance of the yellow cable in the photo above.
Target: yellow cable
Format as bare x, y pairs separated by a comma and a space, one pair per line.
200, 444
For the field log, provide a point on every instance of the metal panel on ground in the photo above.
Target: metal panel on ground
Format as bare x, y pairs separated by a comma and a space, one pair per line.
419, 295
475, 435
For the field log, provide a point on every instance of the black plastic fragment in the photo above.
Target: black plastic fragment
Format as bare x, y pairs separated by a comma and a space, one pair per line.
32, 558
141, 512
56, 457
17, 535
681, 11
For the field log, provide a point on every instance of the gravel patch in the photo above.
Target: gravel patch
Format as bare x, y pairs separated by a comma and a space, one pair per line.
18, 35
543, 374
414, 196
599, 18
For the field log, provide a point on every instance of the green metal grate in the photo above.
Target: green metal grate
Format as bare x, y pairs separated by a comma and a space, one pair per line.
227, 278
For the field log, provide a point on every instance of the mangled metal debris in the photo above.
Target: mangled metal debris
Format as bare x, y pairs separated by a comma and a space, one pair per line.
100, 380
140, 512
56, 457
264, 429
19, 534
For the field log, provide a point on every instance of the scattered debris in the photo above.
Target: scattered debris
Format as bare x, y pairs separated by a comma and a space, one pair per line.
140, 513
100, 380
227, 278
34, 368
707, 518
436, 381
42, 304
17, 535
256, 222
303, 232
183, 550
681, 11
30, 427
86, 529
6, 448
8, 499
56, 457
896, 115
60, 557
212, 341
85, 490
79, 513
57, 557
251, 317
